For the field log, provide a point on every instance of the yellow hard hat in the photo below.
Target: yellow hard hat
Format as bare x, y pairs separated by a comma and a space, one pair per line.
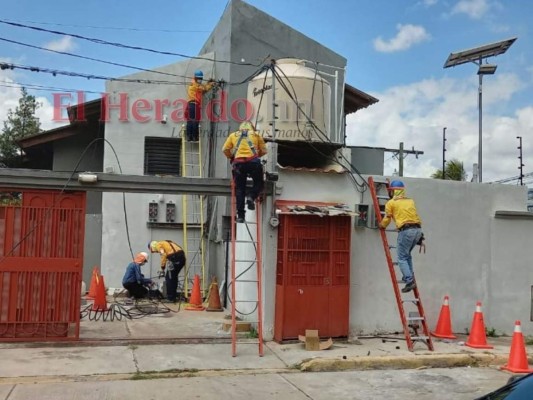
152, 246
246, 126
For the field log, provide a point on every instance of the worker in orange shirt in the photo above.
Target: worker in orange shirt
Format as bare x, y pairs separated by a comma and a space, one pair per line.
172, 261
195, 92
402, 210
244, 148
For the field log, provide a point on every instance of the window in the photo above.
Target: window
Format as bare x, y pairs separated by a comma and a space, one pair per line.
162, 156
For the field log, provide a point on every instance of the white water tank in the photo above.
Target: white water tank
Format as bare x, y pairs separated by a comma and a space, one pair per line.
304, 85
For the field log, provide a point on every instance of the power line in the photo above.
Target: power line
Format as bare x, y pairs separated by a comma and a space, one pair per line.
89, 58
54, 72
121, 45
31, 86
122, 28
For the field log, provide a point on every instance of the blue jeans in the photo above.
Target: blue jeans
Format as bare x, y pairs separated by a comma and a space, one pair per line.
407, 240
193, 122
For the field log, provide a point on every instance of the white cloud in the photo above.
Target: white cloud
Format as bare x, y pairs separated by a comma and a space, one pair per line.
475, 9
407, 36
66, 43
429, 3
416, 114
9, 98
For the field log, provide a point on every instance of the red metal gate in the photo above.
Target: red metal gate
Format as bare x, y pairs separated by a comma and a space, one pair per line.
313, 276
41, 258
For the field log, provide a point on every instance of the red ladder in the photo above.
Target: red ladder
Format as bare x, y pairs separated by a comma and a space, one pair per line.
413, 318
245, 266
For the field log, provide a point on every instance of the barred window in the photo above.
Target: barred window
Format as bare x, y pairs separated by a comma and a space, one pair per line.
162, 156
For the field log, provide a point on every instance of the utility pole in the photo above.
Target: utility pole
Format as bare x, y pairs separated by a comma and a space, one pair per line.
521, 178
401, 160
444, 153
401, 153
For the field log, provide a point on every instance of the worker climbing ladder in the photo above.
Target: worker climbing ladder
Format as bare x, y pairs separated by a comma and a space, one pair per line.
246, 282
411, 320
193, 215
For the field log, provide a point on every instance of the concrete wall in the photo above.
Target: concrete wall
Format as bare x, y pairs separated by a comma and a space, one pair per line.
127, 138
471, 256
368, 160
67, 153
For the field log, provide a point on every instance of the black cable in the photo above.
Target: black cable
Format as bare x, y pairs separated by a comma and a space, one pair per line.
121, 45
54, 72
90, 58
31, 86
109, 27
320, 133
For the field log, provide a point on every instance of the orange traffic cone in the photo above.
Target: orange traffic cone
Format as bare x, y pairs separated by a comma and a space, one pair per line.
195, 303
517, 357
444, 324
92, 286
100, 300
214, 297
478, 338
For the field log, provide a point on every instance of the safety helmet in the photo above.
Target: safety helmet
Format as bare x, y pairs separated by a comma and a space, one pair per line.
152, 246
396, 185
198, 74
246, 126
141, 257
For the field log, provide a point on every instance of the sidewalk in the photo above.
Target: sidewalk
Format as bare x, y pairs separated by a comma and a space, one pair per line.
193, 344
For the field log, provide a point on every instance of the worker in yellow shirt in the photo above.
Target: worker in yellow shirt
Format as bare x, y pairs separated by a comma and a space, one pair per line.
195, 92
402, 210
172, 261
244, 148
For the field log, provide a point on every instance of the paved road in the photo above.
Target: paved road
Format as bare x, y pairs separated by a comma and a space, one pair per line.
425, 384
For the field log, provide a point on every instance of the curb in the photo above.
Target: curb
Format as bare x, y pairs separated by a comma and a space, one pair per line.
412, 362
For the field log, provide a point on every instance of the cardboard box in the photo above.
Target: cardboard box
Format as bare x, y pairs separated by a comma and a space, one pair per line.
312, 341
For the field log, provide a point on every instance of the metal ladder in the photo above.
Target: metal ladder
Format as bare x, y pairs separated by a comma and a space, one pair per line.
193, 215
245, 255
410, 320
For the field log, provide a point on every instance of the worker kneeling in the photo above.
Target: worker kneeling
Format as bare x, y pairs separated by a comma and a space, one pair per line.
134, 281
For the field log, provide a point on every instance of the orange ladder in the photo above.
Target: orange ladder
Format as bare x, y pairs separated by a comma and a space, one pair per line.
242, 271
409, 320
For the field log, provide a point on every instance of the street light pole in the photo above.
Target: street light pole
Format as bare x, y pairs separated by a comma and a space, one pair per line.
480, 111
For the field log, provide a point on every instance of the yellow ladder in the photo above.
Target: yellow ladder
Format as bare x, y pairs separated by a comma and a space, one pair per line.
193, 215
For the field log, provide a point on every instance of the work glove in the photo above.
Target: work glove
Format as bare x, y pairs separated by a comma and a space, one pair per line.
161, 273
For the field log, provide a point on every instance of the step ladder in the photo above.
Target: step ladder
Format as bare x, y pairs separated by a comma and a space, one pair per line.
193, 216
410, 319
246, 274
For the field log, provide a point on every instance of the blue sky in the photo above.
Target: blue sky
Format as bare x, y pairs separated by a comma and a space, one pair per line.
395, 51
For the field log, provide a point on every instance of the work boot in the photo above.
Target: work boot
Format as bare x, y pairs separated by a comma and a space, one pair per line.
408, 287
250, 203
240, 220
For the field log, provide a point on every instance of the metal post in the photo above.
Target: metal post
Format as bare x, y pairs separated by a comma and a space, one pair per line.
400, 172
273, 157
521, 163
480, 106
444, 153
335, 138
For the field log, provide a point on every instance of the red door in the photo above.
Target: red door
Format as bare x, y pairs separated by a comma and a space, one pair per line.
313, 276
41, 256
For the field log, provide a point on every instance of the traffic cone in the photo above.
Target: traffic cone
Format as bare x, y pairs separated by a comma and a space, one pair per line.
92, 286
517, 357
214, 297
195, 303
444, 324
478, 338
100, 300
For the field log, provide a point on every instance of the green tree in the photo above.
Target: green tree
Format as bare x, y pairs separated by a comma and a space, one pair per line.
454, 171
19, 124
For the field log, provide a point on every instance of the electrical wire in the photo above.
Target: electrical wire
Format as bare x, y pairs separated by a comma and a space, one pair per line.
54, 72
320, 134
121, 45
90, 58
31, 86
108, 27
